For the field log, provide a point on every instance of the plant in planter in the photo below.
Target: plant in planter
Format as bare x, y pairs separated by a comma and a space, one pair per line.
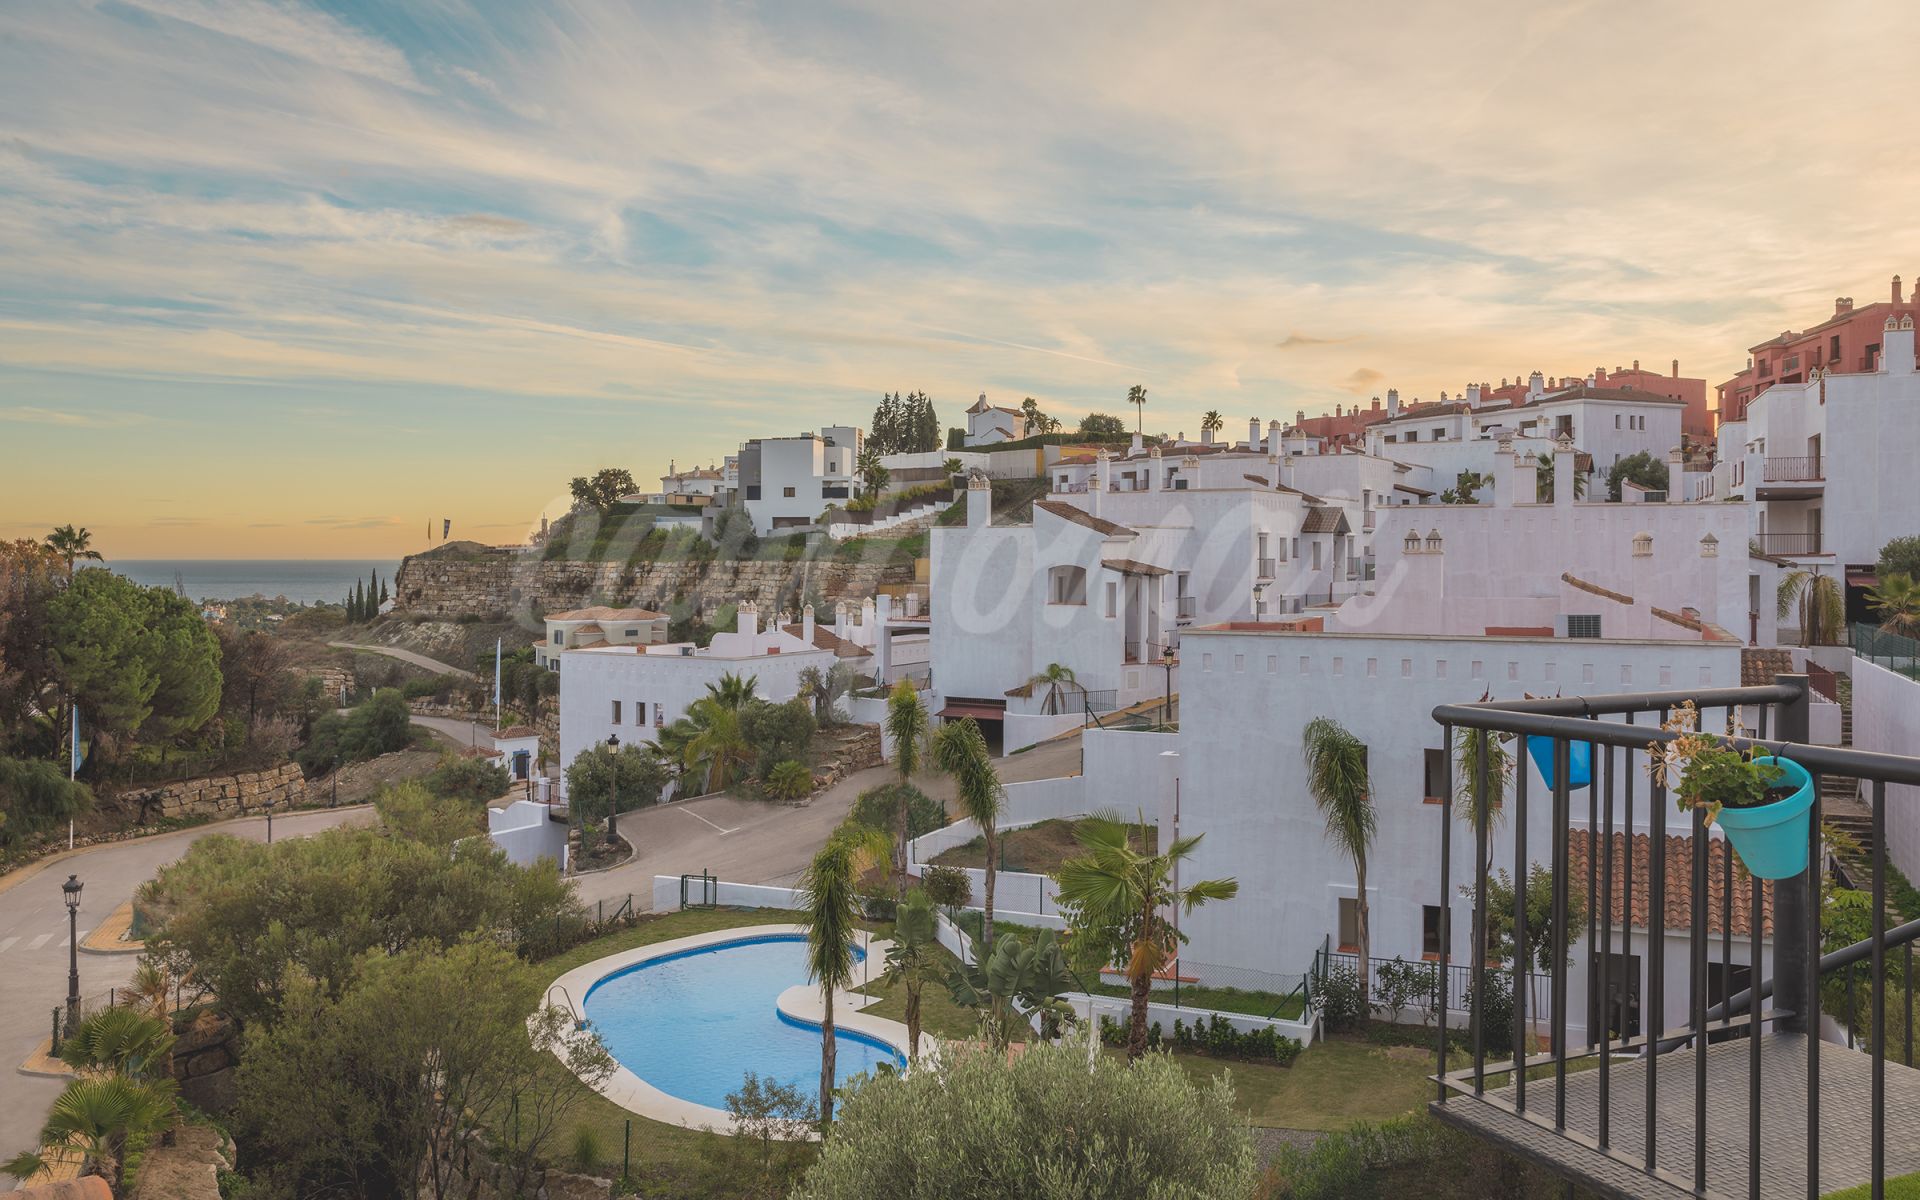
1762, 803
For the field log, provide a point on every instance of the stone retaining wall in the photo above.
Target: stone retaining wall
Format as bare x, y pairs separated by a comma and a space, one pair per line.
499, 581
221, 795
205, 1052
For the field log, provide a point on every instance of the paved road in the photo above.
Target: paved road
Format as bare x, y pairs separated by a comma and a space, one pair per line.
418, 660
748, 841
33, 944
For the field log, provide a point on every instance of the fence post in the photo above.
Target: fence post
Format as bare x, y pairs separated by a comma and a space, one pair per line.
1792, 933
54, 1043
626, 1152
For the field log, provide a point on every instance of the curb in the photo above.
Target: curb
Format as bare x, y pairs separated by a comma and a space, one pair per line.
110, 936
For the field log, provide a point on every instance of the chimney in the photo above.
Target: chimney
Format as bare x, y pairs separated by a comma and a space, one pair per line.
1206, 436
1526, 478
1376, 404
1842, 304
1636, 364
1336, 410
1896, 346
1276, 438
806, 624
1676, 368
1300, 418
1393, 402
1536, 386
1253, 433
1154, 480
1473, 395
1102, 480
747, 619
1504, 475
1443, 395
913, 604
840, 621
1676, 476
1896, 289
868, 618
980, 500
1563, 467
1133, 447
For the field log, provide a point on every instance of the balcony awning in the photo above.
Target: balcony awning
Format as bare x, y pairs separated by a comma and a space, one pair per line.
979, 711
1865, 579
1128, 566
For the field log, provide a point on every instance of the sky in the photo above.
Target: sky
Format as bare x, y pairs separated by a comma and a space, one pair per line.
286, 279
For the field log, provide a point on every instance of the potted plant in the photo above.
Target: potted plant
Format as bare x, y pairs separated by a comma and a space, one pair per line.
1763, 804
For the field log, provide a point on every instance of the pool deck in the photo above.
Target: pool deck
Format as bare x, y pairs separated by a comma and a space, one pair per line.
802, 1003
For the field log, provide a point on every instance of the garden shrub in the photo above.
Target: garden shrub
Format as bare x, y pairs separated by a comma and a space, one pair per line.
1343, 1003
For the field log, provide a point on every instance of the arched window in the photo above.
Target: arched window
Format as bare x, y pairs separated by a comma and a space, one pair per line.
1067, 585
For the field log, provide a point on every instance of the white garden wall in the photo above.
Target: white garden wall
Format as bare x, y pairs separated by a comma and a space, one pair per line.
1886, 720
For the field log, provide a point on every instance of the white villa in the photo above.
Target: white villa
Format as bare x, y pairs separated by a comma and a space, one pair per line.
989, 424
599, 625
787, 482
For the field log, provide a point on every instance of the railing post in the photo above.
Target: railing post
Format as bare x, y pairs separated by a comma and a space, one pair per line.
1792, 932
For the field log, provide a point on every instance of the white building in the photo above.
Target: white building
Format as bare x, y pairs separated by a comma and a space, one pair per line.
599, 625
787, 482
989, 424
1826, 469
635, 691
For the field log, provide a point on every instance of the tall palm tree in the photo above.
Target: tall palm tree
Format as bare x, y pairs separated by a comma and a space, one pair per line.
913, 959
1337, 781
1897, 600
960, 750
1470, 800
1212, 422
1118, 901
828, 898
1053, 679
1817, 600
907, 726
718, 744
73, 542
1137, 396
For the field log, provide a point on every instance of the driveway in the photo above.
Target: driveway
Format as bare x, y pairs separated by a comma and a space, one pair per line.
33, 943
418, 660
750, 841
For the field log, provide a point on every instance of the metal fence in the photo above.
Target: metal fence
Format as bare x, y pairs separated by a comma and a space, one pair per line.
1889, 650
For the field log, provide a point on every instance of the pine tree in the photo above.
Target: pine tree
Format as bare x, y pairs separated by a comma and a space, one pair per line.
373, 594
383, 591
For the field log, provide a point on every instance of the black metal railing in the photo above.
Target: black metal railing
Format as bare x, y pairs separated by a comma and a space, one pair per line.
1640, 1041
1789, 543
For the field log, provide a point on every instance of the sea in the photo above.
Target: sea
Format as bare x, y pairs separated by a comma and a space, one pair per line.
305, 580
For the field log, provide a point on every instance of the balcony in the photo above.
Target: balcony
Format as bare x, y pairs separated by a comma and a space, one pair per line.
1263, 569
1790, 545
1801, 478
1184, 607
1714, 1097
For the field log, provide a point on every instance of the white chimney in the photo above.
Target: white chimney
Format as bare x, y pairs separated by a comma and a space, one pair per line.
1563, 466
1896, 346
1676, 476
1253, 432
979, 501
1536, 386
1154, 481
1504, 473
1526, 478
1135, 445
747, 619
1275, 434
867, 619
1206, 436
1393, 402
1102, 480
913, 604
1473, 395
806, 624
883, 610
840, 621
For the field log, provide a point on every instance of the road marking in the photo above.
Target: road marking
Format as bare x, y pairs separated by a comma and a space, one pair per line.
8, 944
696, 816
40, 941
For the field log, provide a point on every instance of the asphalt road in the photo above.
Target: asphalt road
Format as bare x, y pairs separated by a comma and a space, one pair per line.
34, 944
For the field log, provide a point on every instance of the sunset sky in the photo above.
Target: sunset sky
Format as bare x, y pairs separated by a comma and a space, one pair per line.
285, 279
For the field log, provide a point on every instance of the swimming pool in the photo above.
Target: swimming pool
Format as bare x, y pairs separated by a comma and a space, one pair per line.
693, 1023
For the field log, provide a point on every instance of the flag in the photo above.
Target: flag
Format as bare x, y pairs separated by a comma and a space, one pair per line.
446, 527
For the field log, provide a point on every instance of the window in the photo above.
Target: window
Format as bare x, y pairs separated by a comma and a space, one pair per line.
633, 633
787, 492
1616, 420
1413, 435
1583, 625
1349, 924
559, 637
1436, 777
616, 712
1067, 585
1113, 598
1316, 556
1430, 930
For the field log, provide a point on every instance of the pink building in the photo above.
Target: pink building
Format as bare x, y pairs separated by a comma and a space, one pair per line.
1846, 343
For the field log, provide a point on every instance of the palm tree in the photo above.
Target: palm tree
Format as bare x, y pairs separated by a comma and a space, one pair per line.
152, 986
960, 750
872, 471
1543, 480
1897, 600
1118, 901
1137, 396
907, 726
789, 780
97, 1117
1212, 421
1816, 597
734, 691
119, 1041
1337, 781
1017, 981
1053, 679
829, 900
1469, 747
913, 959
718, 745
73, 542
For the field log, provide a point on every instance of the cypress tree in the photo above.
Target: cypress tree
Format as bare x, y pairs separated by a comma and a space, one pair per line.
383, 591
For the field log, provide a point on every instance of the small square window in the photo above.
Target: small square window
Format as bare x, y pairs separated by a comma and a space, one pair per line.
1273, 664
1239, 662
1440, 668
1206, 662
1349, 925
787, 492
1373, 668
616, 712
1430, 930
1435, 764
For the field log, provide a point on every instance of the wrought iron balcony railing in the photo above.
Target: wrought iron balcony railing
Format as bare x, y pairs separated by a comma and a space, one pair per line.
1792, 470
1789, 543
1736, 1097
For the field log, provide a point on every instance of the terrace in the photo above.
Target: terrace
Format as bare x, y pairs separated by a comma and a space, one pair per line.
1734, 1098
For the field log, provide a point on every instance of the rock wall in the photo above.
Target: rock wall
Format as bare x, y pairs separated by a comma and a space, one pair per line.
501, 581
221, 795
205, 1053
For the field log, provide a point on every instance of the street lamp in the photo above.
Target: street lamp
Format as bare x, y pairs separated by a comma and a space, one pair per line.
269, 822
613, 790
1166, 706
72, 889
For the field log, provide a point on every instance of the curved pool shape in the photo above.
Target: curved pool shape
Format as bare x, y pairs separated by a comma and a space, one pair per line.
693, 1024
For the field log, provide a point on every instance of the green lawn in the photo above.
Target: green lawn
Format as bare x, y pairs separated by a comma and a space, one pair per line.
939, 1015
1904, 1187
1331, 1085
1223, 999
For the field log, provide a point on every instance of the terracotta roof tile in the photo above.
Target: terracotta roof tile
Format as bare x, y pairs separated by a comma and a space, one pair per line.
1758, 665
825, 638
1595, 589
1068, 512
1679, 868
1325, 518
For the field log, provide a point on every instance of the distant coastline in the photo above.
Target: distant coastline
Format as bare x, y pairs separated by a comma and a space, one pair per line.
303, 580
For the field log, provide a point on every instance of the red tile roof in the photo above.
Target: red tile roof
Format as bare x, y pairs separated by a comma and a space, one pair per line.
824, 638
1595, 589
1679, 868
1068, 512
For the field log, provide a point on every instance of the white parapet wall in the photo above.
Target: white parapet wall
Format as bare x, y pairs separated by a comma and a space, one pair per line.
1301, 1030
666, 894
1886, 720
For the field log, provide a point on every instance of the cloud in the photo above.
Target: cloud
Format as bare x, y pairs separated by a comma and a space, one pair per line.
35, 415
294, 30
353, 522
1293, 340
1362, 379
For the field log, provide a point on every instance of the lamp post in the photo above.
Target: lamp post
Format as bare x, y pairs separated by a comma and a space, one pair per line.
1166, 705
613, 789
269, 822
72, 889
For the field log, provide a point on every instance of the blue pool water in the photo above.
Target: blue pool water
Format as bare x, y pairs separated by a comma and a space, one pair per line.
694, 1024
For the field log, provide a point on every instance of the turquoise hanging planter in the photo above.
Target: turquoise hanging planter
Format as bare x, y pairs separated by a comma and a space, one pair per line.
1579, 761
1772, 838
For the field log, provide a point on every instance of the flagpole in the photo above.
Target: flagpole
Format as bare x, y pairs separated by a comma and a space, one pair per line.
73, 764
497, 643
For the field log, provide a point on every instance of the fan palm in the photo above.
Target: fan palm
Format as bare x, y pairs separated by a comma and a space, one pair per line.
1053, 679
1337, 781
1816, 599
1897, 600
960, 750
152, 986
907, 726
718, 746
72, 542
828, 898
789, 780
94, 1119
1118, 901
1543, 480
734, 691
119, 1041
913, 959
